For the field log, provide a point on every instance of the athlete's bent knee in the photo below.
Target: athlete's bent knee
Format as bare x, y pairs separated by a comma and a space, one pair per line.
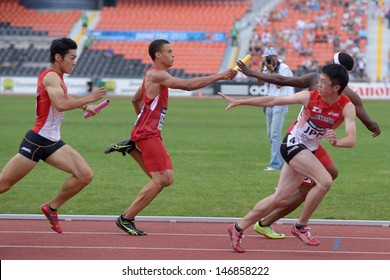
86, 176
169, 181
326, 184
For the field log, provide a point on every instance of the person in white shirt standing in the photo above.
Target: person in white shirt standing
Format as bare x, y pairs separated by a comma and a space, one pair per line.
275, 115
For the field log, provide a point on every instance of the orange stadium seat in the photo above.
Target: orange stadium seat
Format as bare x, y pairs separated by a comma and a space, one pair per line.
217, 16
321, 51
56, 23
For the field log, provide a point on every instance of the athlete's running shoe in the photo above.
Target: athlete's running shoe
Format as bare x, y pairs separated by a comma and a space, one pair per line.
305, 236
125, 146
51, 217
268, 232
129, 226
235, 238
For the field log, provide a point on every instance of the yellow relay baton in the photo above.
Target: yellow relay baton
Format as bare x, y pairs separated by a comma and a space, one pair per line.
245, 60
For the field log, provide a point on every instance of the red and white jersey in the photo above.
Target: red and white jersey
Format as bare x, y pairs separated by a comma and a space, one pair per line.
151, 119
49, 119
314, 120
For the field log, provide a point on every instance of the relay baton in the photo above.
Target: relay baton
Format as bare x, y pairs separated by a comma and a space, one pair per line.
97, 108
244, 60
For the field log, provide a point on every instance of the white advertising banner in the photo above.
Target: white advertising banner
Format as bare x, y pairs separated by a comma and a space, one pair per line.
19, 85
371, 90
28, 85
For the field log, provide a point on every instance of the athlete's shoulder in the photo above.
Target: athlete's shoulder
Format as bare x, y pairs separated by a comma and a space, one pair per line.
51, 77
155, 74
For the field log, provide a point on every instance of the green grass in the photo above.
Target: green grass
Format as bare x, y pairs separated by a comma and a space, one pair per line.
218, 158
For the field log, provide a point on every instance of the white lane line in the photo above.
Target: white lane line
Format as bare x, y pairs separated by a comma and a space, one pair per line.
180, 234
191, 249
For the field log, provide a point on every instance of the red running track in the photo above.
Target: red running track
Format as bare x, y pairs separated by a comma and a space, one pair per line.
102, 240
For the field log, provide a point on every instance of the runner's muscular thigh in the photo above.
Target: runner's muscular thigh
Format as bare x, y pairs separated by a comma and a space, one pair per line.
68, 160
309, 166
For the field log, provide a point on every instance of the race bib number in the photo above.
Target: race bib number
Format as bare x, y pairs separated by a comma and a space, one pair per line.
291, 141
162, 118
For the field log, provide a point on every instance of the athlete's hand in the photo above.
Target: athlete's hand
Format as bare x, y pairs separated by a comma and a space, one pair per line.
232, 102
374, 128
229, 74
245, 69
97, 94
332, 137
90, 109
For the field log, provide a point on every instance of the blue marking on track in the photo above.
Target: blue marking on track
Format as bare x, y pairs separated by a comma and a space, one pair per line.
336, 244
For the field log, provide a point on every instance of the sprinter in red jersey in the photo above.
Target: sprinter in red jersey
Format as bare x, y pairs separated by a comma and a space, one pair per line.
310, 81
324, 110
43, 141
145, 144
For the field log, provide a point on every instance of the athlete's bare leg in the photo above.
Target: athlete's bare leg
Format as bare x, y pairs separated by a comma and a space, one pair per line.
159, 181
296, 199
69, 160
137, 156
15, 169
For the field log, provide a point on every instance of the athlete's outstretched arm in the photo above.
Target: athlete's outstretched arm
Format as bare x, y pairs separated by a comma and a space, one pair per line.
165, 79
361, 113
301, 97
309, 80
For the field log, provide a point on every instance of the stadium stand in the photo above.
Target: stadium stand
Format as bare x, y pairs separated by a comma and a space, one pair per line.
25, 35
121, 58
193, 58
307, 32
19, 21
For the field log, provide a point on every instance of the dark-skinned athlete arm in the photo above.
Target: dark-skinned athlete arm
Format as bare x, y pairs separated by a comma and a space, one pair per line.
309, 80
361, 112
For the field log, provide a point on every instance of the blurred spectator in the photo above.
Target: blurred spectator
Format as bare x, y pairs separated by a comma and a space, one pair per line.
265, 37
388, 17
336, 43
84, 20
361, 69
262, 20
301, 24
314, 66
332, 21
234, 35
94, 39
362, 34
310, 37
87, 43
307, 64
297, 46
297, 6
275, 16
284, 13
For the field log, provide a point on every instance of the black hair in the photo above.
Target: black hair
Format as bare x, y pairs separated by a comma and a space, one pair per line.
345, 60
337, 74
62, 47
155, 46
